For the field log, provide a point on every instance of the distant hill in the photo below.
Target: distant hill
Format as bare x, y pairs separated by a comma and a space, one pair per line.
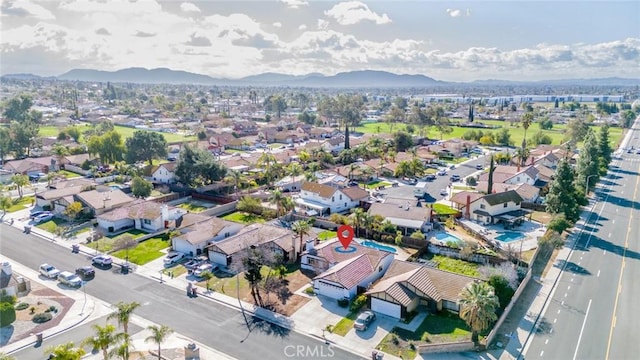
275, 78
140, 75
23, 77
368, 78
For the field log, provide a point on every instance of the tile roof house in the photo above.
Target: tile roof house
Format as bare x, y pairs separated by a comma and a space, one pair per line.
48, 197
31, 165
342, 271
325, 199
406, 285
272, 240
98, 202
407, 217
148, 216
499, 207
194, 238
512, 175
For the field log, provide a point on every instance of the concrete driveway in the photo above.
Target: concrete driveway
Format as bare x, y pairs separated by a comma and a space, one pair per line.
371, 337
317, 314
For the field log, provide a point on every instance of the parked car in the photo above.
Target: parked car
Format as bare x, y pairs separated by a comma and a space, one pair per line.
49, 271
172, 258
479, 167
364, 320
102, 260
204, 268
70, 279
38, 213
444, 192
455, 178
429, 177
86, 272
442, 173
192, 264
42, 218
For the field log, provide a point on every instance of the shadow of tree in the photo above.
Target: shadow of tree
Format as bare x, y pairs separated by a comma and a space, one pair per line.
571, 267
544, 326
599, 243
268, 328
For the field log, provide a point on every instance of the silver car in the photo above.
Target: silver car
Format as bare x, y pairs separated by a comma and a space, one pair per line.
70, 279
364, 320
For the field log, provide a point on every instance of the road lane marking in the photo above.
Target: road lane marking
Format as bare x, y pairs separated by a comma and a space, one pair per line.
558, 311
598, 274
546, 341
569, 288
562, 303
565, 294
555, 320
605, 252
571, 279
584, 322
609, 234
613, 221
541, 352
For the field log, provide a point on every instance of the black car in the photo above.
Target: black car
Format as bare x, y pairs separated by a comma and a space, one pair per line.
455, 178
86, 272
430, 177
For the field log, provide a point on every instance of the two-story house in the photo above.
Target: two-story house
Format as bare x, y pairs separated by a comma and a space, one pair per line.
493, 208
164, 173
325, 199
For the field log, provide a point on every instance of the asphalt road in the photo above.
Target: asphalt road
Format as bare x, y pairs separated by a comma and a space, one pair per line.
204, 321
592, 312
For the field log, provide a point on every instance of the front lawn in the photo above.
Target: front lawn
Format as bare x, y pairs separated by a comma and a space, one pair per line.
192, 207
146, 251
442, 209
68, 174
106, 242
51, 225
345, 325
442, 327
243, 218
21, 204
455, 265
376, 184
327, 234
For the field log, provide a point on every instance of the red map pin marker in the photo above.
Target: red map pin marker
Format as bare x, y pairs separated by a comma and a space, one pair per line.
345, 235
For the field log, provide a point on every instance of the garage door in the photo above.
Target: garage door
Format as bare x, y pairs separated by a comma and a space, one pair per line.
329, 290
385, 307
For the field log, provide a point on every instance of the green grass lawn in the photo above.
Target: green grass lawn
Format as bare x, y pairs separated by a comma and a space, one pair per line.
69, 174
51, 225
345, 325
243, 218
455, 265
192, 207
21, 204
126, 132
375, 184
176, 270
106, 242
442, 209
462, 187
146, 251
327, 234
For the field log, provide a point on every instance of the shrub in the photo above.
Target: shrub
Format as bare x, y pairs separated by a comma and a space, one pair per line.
344, 302
10, 299
41, 317
425, 337
395, 340
501, 289
471, 181
32, 310
7, 314
309, 290
418, 235
52, 309
22, 306
559, 224
86, 165
358, 303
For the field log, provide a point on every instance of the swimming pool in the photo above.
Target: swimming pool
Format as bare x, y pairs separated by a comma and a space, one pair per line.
446, 237
375, 245
509, 236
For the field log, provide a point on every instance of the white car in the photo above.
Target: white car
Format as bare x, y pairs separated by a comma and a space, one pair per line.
202, 269
49, 271
172, 258
102, 260
70, 279
444, 192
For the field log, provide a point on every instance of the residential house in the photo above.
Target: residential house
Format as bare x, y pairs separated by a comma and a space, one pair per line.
271, 240
31, 165
512, 175
343, 273
164, 173
333, 145
462, 201
408, 217
47, 198
325, 199
193, 239
148, 216
99, 202
13, 284
245, 128
499, 207
290, 183
407, 285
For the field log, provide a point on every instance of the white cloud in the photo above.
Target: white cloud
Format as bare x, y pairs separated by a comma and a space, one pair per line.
26, 8
138, 8
294, 4
323, 24
302, 27
277, 24
454, 12
189, 7
353, 12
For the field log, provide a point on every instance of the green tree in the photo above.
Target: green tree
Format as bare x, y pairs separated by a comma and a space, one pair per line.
280, 201
66, 351
526, 121
478, 305
103, 338
576, 130
123, 348
145, 146
74, 133
561, 197
20, 181
140, 187
198, 167
108, 146
5, 203
503, 137
541, 138
73, 209
402, 141
7, 314
301, 228
626, 118
588, 162
253, 263
503, 290
123, 314
604, 147
6, 143
235, 177
159, 334
492, 168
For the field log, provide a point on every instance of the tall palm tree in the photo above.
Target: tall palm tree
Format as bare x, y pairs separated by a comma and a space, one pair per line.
294, 171
159, 334
356, 219
104, 337
367, 223
123, 349
20, 181
266, 161
278, 199
478, 305
66, 351
60, 152
123, 314
526, 121
235, 177
301, 228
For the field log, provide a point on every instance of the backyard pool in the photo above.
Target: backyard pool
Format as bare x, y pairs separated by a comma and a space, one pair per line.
445, 237
508, 236
375, 245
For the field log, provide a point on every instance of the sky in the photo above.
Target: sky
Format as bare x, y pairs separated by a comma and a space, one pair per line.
449, 41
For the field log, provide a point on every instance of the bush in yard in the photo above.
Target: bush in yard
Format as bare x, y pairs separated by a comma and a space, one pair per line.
358, 302
41, 317
418, 235
471, 181
344, 302
309, 290
22, 306
7, 314
11, 299
501, 288
559, 224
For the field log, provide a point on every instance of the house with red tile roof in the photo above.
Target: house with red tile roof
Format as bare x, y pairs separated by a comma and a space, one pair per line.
343, 273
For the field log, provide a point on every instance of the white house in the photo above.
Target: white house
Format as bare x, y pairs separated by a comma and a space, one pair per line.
147, 216
290, 183
328, 199
492, 208
528, 175
333, 145
193, 239
342, 271
164, 173
407, 217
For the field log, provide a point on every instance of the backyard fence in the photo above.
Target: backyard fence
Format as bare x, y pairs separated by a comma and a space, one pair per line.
218, 199
76, 169
166, 198
455, 253
221, 209
533, 206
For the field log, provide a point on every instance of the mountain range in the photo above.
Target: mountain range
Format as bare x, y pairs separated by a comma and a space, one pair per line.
351, 79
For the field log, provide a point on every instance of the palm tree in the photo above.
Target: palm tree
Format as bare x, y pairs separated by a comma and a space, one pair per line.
278, 199
526, 121
352, 167
20, 181
122, 350
66, 351
478, 305
104, 337
301, 228
235, 177
5, 203
123, 314
294, 171
356, 219
266, 162
367, 223
159, 334
60, 152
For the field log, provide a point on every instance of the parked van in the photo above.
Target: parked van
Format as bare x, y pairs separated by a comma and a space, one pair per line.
420, 190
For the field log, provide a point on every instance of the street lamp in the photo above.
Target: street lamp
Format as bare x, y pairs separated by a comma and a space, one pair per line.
586, 185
